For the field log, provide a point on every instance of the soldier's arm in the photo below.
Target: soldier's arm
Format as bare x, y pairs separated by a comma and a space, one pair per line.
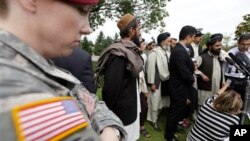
101, 117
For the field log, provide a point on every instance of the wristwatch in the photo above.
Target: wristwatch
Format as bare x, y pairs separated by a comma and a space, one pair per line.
117, 133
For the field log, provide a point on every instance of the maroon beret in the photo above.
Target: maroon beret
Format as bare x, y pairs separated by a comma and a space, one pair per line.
84, 1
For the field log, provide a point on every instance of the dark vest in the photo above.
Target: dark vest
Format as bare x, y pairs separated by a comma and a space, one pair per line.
207, 68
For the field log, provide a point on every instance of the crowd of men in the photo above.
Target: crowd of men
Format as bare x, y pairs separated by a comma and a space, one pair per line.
41, 101
182, 76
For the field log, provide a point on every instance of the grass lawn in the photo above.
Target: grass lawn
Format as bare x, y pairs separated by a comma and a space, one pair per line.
159, 136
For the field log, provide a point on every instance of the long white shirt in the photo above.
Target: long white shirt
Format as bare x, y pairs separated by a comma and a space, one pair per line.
196, 50
157, 59
133, 130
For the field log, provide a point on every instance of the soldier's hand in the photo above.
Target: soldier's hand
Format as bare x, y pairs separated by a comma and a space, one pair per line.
109, 134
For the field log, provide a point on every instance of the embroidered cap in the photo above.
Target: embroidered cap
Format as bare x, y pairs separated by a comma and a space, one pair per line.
126, 22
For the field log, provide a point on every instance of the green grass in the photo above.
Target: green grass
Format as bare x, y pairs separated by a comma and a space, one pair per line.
99, 93
159, 136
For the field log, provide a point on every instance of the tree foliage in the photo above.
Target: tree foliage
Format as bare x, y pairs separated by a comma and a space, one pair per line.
226, 42
150, 12
99, 44
87, 45
116, 37
243, 27
107, 42
205, 38
102, 43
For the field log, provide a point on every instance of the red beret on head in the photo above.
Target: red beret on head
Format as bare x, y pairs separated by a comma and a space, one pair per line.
84, 1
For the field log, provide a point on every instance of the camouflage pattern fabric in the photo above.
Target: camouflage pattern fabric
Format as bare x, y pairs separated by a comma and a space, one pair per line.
26, 77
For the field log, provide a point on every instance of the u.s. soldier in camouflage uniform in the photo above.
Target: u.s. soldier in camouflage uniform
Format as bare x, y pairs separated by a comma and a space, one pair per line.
33, 104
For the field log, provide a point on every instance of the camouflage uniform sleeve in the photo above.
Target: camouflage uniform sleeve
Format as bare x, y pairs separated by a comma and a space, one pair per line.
101, 117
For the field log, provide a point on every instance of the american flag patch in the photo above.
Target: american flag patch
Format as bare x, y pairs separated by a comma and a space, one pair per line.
51, 119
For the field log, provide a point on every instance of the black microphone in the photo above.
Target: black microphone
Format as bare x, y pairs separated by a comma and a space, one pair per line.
231, 62
238, 61
235, 59
244, 59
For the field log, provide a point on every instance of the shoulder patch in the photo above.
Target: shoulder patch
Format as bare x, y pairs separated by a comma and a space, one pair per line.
50, 119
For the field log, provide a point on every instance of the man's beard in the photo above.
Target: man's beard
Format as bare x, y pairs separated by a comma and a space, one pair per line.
166, 47
216, 51
137, 41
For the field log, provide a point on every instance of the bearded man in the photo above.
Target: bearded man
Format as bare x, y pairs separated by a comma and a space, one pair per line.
157, 72
121, 64
210, 64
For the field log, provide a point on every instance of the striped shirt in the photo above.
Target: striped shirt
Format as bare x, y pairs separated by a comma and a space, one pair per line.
211, 125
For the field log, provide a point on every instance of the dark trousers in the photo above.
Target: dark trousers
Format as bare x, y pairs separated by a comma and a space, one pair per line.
144, 109
177, 111
239, 85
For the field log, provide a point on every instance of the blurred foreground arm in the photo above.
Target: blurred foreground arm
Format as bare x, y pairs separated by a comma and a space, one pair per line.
102, 119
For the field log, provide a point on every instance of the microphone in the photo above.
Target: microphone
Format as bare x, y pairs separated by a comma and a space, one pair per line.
238, 61
244, 59
231, 62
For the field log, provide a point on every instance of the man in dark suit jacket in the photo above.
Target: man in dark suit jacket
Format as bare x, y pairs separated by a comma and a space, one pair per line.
181, 79
80, 65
